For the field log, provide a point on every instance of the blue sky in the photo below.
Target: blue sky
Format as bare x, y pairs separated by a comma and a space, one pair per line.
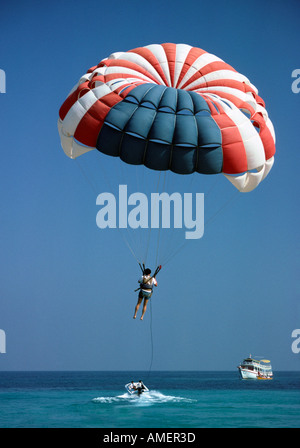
66, 287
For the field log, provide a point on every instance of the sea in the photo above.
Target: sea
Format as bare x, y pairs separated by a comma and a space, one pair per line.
175, 400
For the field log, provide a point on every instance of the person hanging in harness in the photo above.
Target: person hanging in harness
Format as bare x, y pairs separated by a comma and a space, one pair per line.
145, 290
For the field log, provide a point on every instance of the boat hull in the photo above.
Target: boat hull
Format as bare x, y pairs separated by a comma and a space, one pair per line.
132, 391
248, 375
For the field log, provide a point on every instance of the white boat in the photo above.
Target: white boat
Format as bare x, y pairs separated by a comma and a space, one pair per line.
136, 387
253, 369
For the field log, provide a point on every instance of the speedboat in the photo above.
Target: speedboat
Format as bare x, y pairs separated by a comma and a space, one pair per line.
252, 369
136, 387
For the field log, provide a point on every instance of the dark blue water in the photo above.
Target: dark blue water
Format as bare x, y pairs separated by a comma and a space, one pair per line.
175, 400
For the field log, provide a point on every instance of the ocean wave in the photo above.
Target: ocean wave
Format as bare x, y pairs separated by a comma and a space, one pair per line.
147, 398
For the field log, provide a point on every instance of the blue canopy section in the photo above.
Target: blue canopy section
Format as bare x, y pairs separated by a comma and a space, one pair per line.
164, 129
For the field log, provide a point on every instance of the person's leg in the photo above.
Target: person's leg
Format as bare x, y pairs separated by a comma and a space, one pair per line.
144, 308
140, 299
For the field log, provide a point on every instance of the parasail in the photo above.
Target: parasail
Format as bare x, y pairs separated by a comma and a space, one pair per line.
171, 107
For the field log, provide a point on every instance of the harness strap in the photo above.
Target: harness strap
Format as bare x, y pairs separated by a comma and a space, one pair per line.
147, 285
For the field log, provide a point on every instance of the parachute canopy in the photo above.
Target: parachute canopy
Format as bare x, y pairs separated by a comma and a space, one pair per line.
171, 107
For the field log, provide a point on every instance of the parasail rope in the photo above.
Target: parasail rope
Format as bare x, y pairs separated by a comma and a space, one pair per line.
93, 188
208, 222
213, 217
149, 232
86, 177
159, 229
151, 330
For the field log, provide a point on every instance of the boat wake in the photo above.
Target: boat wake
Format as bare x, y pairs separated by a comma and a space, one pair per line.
146, 399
